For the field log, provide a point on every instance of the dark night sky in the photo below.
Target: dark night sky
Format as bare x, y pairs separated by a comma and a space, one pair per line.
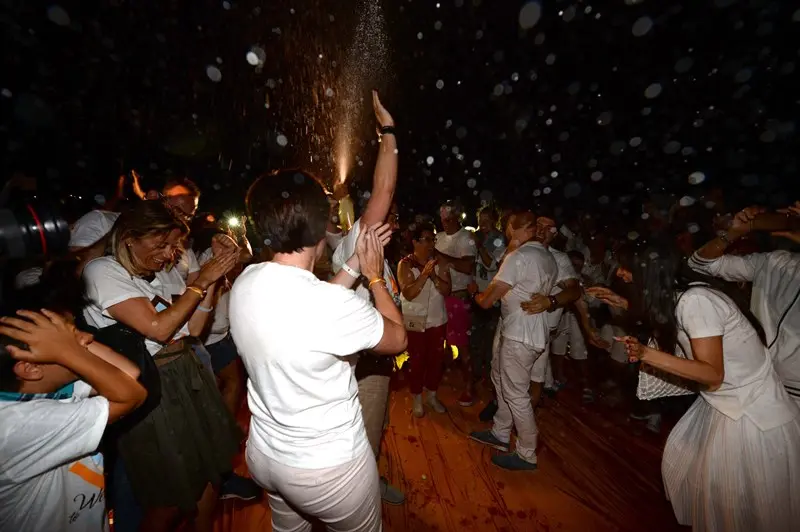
121, 86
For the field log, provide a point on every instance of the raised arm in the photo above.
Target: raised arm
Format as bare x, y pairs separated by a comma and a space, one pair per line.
711, 259
384, 181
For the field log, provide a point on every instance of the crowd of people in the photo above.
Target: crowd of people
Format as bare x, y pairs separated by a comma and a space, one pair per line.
120, 380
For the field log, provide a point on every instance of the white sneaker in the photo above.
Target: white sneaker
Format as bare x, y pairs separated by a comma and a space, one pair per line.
435, 403
418, 410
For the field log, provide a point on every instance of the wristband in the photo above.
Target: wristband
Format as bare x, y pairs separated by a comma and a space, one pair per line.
377, 280
350, 271
199, 291
386, 130
723, 235
553, 302
204, 309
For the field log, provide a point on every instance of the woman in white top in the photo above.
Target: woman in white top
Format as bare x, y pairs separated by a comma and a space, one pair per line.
732, 463
139, 305
296, 333
424, 286
221, 348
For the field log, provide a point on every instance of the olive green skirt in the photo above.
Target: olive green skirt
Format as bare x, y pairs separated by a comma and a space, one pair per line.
187, 441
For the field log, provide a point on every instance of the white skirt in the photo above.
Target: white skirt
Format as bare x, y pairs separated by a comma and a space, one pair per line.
723, 475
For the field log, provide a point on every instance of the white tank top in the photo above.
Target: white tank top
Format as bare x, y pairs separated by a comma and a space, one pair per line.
429, 302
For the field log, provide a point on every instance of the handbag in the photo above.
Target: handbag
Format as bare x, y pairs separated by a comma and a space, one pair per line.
415, 322
656, 384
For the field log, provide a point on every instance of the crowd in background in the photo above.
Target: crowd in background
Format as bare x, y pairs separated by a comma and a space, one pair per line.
124, 393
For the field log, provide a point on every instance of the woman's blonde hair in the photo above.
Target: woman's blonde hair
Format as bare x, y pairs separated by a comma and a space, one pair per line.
146, 218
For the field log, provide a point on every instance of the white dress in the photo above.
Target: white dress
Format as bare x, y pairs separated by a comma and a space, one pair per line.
732, 463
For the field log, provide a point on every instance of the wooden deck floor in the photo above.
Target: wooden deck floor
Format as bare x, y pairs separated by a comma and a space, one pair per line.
597, 472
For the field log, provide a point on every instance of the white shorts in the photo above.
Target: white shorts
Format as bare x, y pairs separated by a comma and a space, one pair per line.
569, 332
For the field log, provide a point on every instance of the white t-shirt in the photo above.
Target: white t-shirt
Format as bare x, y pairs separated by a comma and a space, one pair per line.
91, 227
750, 386
294, 333
566, 271
429, 303
529, 270
108, 283
459, 244
187, 264
345, 249
51, 477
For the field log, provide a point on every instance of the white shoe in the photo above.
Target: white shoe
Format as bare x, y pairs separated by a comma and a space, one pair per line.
418, 410
435, 403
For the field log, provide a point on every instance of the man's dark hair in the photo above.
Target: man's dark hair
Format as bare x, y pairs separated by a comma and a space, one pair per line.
184, 182
420, 228
289, 209
60, 290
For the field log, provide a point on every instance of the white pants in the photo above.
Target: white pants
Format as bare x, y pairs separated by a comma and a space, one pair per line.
346, 498
569, 332
511, 376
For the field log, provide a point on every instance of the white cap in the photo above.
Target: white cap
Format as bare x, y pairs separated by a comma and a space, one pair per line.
28, 278
91, 227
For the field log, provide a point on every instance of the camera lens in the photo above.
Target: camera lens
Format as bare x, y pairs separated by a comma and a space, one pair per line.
32, 230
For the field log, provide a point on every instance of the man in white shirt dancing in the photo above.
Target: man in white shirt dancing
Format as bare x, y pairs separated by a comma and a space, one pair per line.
528, 269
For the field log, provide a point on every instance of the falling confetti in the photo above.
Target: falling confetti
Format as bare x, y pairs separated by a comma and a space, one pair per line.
529, 15
57, 15
213, 73
642, 26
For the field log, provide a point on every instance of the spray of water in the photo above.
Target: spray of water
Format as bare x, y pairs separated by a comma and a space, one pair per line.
366, 63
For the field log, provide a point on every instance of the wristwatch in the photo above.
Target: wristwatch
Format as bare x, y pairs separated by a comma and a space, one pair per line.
553, 302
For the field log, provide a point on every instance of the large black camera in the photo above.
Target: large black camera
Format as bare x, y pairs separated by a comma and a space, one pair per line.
31, 230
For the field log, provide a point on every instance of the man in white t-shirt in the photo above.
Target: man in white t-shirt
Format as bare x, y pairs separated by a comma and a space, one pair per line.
455, 248
527, 270
297, 335
51, 475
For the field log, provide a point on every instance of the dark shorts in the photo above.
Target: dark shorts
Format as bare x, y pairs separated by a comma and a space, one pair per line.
222, 353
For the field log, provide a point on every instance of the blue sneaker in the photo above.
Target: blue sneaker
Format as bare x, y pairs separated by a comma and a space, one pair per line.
487, 438
513, 462
238, 487
390, 494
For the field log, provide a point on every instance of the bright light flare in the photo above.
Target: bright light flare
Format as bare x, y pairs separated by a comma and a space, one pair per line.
234, 221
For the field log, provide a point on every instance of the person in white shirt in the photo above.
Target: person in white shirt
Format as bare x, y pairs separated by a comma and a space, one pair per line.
218, 341
295, 333
373, 373
775, 299
529, 269
132, 291
424, 287
52, 473
455, 249
730, 463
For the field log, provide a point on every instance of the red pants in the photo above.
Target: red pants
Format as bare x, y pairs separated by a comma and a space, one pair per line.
426, 356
